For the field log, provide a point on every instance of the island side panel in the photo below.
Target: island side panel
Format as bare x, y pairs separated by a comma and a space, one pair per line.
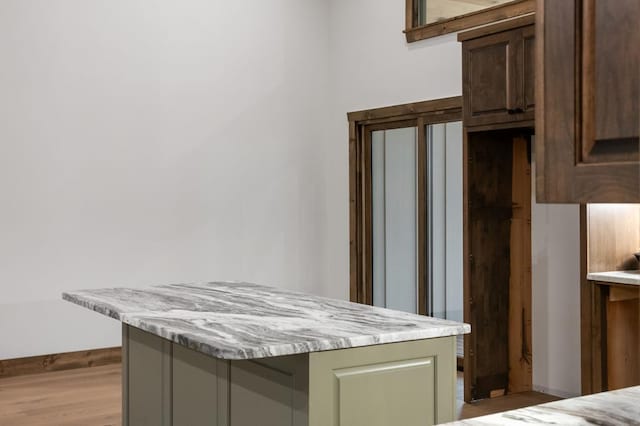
275, 389
196, 389
196, 398
408, 383
147, 376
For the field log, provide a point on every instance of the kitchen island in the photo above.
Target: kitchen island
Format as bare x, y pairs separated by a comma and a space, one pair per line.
237, 354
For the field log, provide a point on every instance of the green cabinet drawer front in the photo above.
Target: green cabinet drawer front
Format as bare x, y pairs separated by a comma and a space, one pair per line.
389, 393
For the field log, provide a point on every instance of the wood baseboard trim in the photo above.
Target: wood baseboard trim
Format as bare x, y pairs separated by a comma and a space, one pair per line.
58, 362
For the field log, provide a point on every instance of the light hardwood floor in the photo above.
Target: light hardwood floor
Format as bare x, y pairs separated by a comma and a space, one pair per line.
496, 405
91, 396
82, 397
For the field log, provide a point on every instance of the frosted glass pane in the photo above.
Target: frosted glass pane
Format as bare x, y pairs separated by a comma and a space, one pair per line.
393, 187
454, 221
378, 217
436, 152
444, 220
400, 219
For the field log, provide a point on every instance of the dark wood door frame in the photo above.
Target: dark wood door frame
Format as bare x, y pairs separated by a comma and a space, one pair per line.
361, 124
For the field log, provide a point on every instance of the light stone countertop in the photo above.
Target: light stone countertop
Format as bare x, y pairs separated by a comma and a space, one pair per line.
618, 277
233, 320
614, 408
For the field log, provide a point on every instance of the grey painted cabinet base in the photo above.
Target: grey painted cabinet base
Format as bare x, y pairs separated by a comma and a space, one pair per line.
408, 383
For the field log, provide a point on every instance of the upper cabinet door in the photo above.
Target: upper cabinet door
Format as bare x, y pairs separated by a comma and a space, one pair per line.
488, 94
498, 73
588, 122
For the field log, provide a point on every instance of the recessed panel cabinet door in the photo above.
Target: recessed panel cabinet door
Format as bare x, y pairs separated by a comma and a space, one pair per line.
407, 383
498, 75
588, 129
486, 68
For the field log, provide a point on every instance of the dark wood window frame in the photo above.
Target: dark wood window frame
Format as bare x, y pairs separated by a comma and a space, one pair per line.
361, 124
415, 32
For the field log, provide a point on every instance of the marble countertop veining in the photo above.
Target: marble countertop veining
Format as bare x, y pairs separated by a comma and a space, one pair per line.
233, 320
614, 408
619, 277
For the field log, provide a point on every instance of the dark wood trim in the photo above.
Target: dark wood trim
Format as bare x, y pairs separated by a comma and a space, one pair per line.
460, 363
411, 14
354, 208
525, 124
599, 338
408, 111
57, 362
463, 22
432, 117
361, 123
585, 309
539, 93
367, 217
421, 224
389, 125
508, 25
469, 339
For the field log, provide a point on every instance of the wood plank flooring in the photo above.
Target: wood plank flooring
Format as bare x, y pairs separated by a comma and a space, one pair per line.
496, 405
79, 397
91, 396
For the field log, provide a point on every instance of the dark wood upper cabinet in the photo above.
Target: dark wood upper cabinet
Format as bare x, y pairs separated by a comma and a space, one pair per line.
588, 90
498, 73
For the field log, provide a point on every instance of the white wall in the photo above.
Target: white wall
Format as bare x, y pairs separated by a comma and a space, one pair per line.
156, 142
555, 249
373, 66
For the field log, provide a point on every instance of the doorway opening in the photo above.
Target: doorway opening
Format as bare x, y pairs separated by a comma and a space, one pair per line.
497, 279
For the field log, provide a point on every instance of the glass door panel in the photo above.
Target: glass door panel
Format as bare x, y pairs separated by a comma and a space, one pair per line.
393, 173
395, 222
444, 220
453, 222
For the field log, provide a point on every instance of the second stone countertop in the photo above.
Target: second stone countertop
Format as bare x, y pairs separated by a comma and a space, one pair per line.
232, 320
617, 277
614, 408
